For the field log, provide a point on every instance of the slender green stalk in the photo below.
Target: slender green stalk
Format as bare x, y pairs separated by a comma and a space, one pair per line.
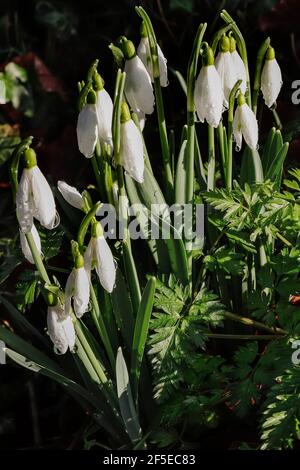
230, 134
37, 258
253, 323
211, 160
242, 337
220, 134
96, 172
257, 76
277, 120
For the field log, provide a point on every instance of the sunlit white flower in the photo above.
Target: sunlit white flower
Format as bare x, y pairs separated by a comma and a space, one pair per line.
25, 247
271, 78
78, 289
60, 329
239, 66
70, 194
209, 96
132, 149
35, 199
99, 256
226, 71
142, 120
87, 126
245, 125
143, 51
138, 86
104, 107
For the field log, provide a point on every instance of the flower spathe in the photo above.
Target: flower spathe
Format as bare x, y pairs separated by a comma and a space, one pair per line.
35, 199
70, 194
132, 150
271, 79
104, 108
60, 329
209, 96
25, 247
78, 289
143, 51
245, 125
98, 255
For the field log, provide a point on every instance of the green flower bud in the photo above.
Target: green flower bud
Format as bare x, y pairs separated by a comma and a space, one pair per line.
98, 82
232, 44
79, 261
125, 112
224, 43
97, 230
128, 49
91, 97
270, 54
241, 99
30, 158
207, 55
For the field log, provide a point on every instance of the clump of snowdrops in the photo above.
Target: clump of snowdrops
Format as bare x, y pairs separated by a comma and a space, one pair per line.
111, 309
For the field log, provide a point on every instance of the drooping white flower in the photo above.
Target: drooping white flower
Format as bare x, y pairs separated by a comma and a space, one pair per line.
99, 256
239, 66
245, 125
131, 148
60, 329
143, 51
209, 96
25, 247
87, 126
70, 194
271, 78
34, 197
78, 289
142, 120
104, 108
138, 86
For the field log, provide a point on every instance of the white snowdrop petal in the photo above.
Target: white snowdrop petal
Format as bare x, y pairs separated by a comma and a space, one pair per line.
104, 108
249, 126
60, 329
69, 290
44, 209
132, 151
163, 69
24, 202
25, 247
138, 86
271, 81
70, 194
237, 131
87, 131
81, 293
105, 265
240, 70
88, 258
209, 96
226, 71
143, 51
142, 119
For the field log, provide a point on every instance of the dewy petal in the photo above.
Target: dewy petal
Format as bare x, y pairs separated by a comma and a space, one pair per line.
25, 247
209, 96
104, 108
69, 290
271, 81
24, 201
88, 258
60, 329
87, 130
143, 51
142, 119
237, 130
132, 151
240, 70
226, 71
249, 126
44, 209
138, 86
105, 265
81, 293
70, 194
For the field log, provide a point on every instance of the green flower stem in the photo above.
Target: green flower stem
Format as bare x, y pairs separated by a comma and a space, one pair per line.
159, 105
230, 134
211, 160
37, 258
96, 171
257, 76
277, 120
242, 49
14, 167
85, 224
253, 323
100, 325
242, 337
284, 240
220, 134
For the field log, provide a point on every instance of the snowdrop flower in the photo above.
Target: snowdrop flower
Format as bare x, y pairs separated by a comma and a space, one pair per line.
138, 86
209, 96
78, 289
245, 124
25, 247
132, 149
104, 109
225, 68
239, 66
60, 329
70, 194
87, 126
34, 197
271, 78
143, 51
99, 256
